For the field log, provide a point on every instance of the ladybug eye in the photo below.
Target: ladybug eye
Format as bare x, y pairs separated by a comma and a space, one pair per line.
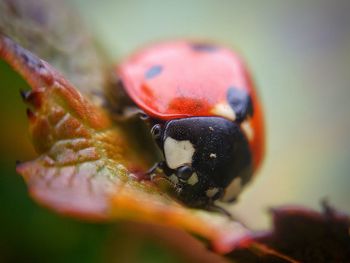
156, 131
184, 172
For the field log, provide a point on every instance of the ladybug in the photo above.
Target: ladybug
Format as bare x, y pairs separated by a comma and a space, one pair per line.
205, 117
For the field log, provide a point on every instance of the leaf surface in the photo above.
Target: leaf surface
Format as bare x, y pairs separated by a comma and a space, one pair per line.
86, 166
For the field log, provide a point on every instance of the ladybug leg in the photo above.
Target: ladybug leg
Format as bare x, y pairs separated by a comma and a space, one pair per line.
215, 208
147, 176
157, 167
241, 103
118, 102
154, 168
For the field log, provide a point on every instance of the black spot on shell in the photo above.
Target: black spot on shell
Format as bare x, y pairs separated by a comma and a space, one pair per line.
153, 72
241, 102
202, 47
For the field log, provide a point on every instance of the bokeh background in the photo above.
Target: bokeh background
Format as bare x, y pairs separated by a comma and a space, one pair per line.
299, 53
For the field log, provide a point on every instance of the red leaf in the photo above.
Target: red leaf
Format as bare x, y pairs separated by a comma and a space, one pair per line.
86, 163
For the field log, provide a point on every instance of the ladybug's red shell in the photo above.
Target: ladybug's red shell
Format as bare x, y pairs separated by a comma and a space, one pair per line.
180, 79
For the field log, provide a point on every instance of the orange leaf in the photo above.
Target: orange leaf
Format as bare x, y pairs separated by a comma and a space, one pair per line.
86, 163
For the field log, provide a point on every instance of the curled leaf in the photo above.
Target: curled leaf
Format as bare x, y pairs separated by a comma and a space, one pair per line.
87, 163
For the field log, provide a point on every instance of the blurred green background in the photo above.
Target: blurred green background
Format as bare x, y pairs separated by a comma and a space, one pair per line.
299, 53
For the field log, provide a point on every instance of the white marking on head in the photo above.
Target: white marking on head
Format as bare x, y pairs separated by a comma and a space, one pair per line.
212, 191
232, 190
247, 129
213, 155
178, 153
193, 179
224, 110
173, 178
211, 128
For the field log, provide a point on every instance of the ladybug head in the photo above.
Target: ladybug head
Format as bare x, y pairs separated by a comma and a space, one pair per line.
203, 155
